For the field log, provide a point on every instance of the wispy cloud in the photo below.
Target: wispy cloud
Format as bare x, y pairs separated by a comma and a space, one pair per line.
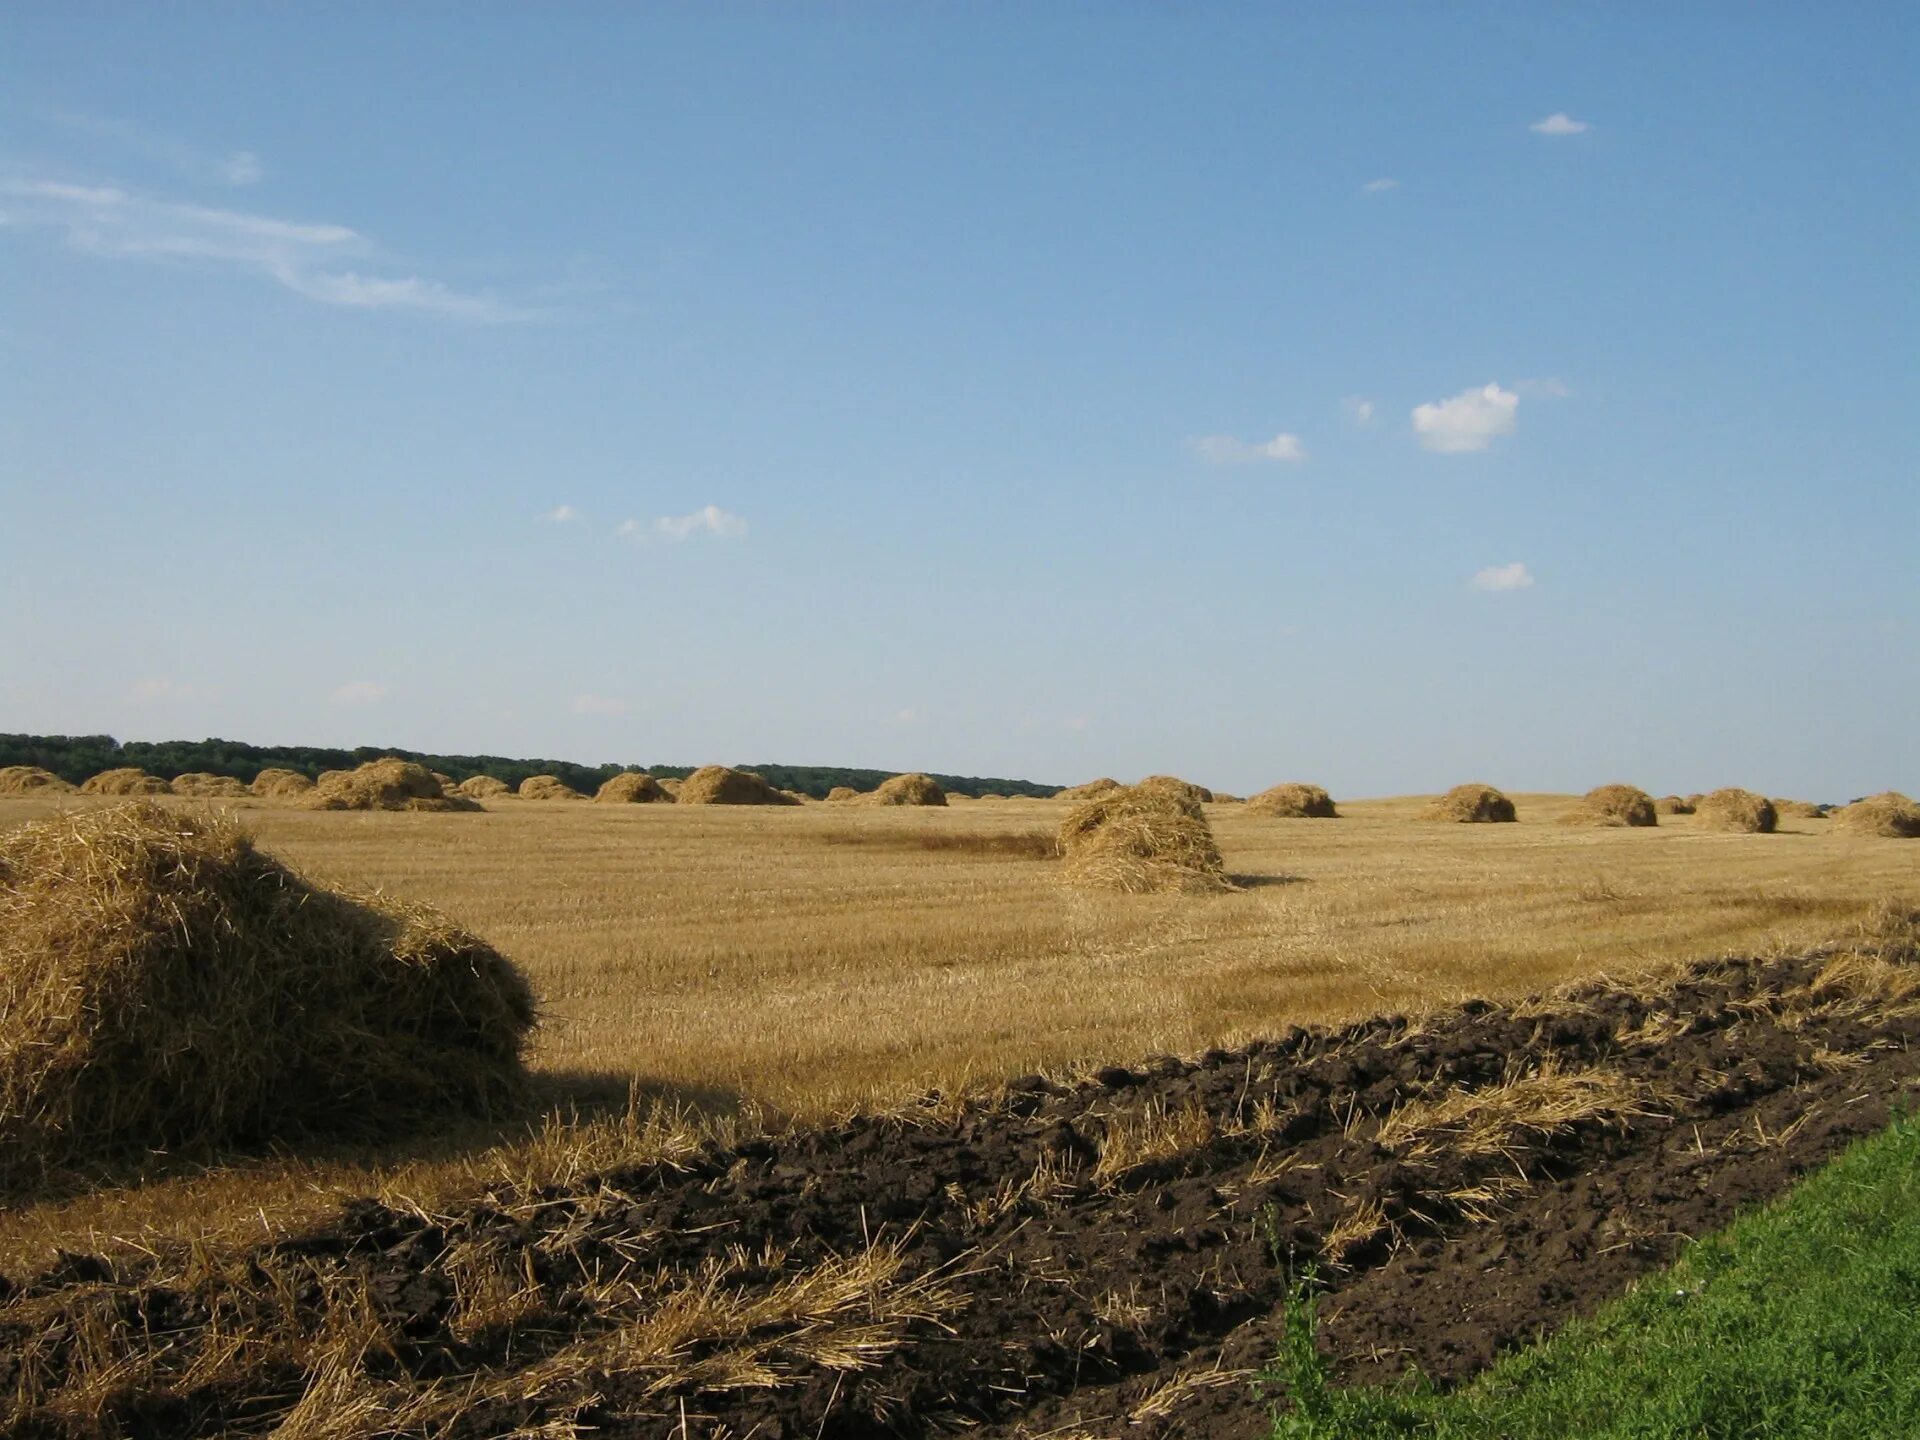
358, 692
591, 704
707, 520
1469, 421
1380, 186
1225, 450
1560, 123
210, 167
560, 515
1360, 410
317, 260
1503, 577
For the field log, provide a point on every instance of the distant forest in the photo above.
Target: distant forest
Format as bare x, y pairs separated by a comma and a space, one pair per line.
75, 757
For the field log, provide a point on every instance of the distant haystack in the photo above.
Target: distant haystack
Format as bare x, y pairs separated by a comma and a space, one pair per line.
1889, 814
31, 780
799, 797
272, 783
1140, 839
385, 784
842, 792
1221, 797
166, 986
1799, 810
548, 787
1197, 793
1472, 804
632, 787
484, 787
991, 795
1693, 801
125, 781
1739, 811
1092, 790
1673, 805
1294, 802
209, 787
447, 782
721, 785
671, 785
911, 789
1615, 805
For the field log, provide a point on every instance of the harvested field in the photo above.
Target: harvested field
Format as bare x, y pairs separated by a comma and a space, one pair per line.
1096, 1254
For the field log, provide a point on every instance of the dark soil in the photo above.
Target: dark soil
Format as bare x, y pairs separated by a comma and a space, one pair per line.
1075, 1307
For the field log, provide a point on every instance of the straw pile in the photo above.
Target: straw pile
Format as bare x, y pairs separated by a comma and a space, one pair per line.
843, 792
671, 785
386, 784
166, 986
31, 780
214, 787
483, 787
1140, 839
1294, 802
1739, 811
1615, 805
632, 787
125, 781
1673, 805
1889, 814
1174, 783
1799, 810
719, 785
910, 789
1471, 804
270, 783
1093, 789
548, 787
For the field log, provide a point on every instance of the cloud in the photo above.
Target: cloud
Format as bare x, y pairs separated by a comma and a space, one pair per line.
319, 261
591, 704
1380, 186
561, 514
707, 520
1359, 410
358, 692
1225, 450
1503, 577
161, 692
228, 167
1560, 123
1469, 421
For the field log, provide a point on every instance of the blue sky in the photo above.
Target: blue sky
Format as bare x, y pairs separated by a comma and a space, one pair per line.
1379, 395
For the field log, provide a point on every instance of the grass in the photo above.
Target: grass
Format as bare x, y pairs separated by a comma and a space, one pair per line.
1801, 1320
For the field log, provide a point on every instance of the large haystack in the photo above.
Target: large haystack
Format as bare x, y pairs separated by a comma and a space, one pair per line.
1472, 804
272, 783
1178, 786
842, 792
1138, 839
548, 787
1615, 805
719, 785
1091, 790
911, 789
1294, 802
387, 784
1673, 805
484, 787
166, 986
1889, 814
632, 787
125, 781
1739, 811
209, 787
31, 780
1798, 810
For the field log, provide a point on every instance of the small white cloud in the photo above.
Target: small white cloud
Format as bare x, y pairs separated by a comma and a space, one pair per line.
560, 515
358, 692
591, 704
1503, 577
160, 692
707, 520
1469, 421
1359, 410
1225, 450
1560, 123
1380, 186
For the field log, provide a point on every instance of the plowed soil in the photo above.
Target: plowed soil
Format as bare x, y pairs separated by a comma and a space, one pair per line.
1103, 1256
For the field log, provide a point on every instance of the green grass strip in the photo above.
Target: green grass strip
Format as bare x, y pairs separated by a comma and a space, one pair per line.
1800, 1320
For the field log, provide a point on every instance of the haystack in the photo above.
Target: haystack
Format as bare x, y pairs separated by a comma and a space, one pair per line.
1294, 802
1093, 789
1139, 839
1889, 814
548, 787
483, 787
632, 787
910, 789
1615, 805
166, 986
670, 784
125, 781
271, 783
447, 782
719, 785
843, 792
798, 797
1221, 797
1693, 801
211, 787
1799, 810
31, 780
386, 784
1178, 786
1673, 805
1471, 804
1739, 811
